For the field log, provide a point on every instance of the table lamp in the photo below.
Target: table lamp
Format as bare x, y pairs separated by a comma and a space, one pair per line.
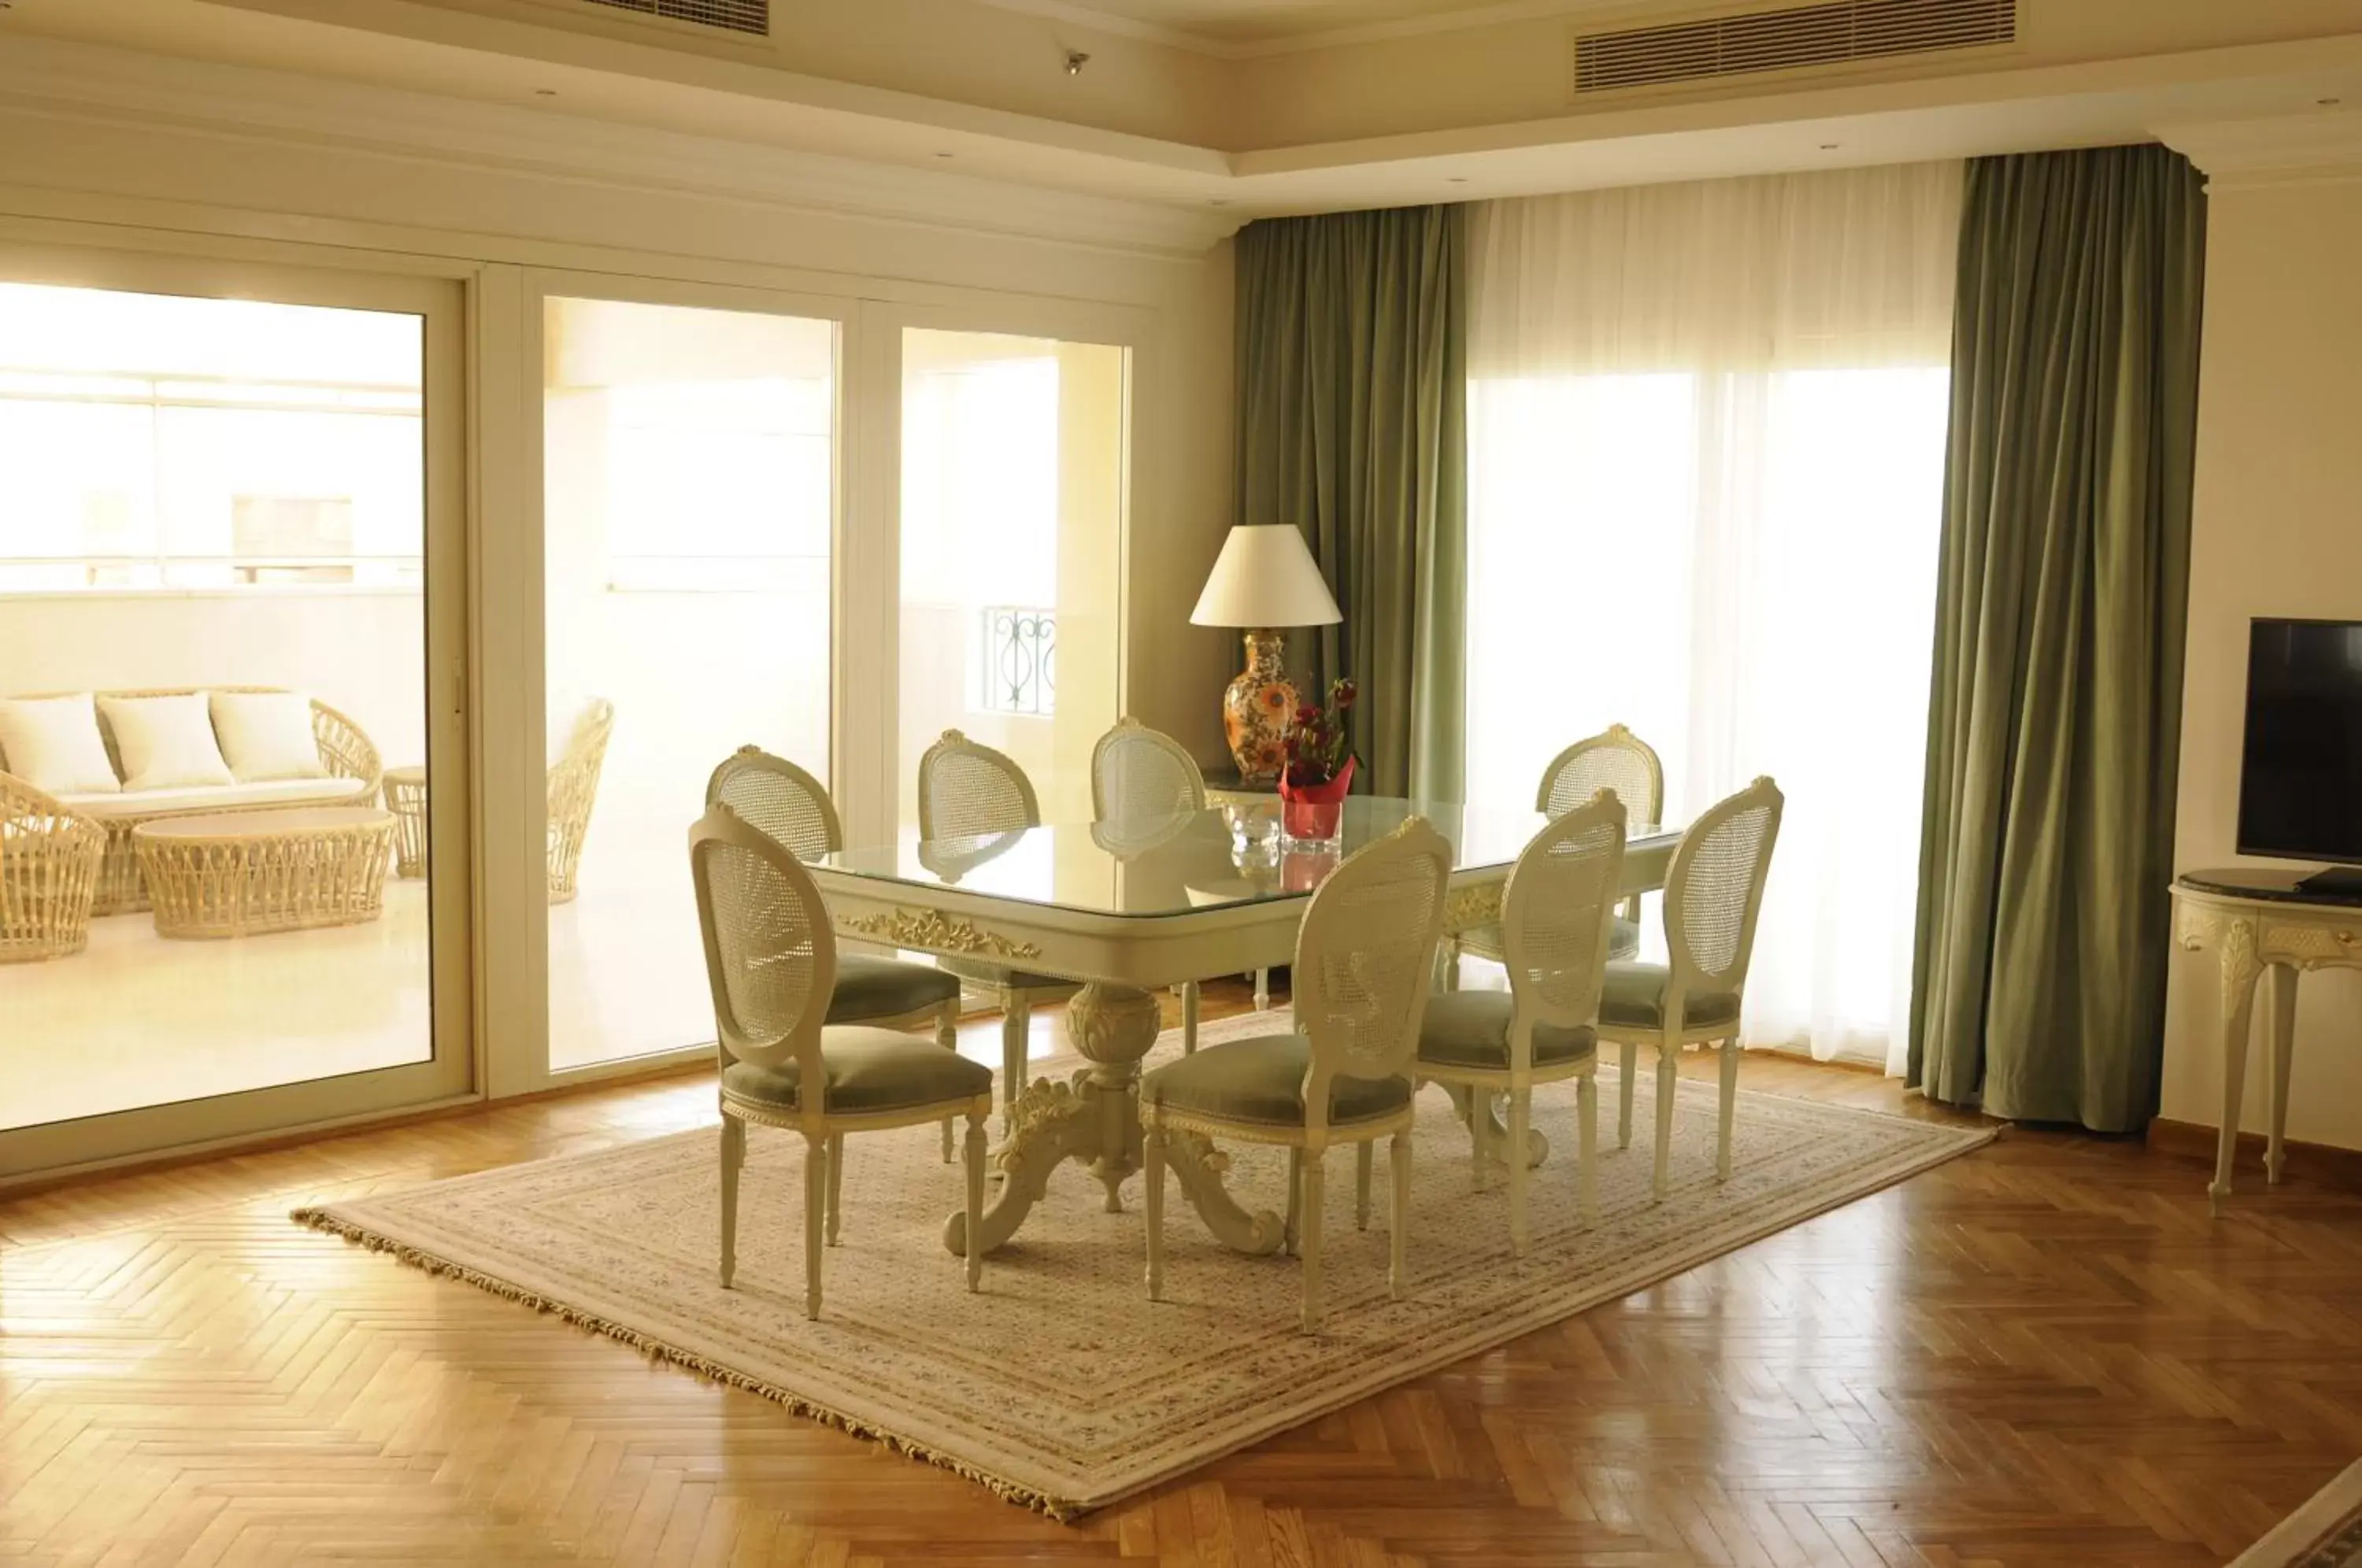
1264, 579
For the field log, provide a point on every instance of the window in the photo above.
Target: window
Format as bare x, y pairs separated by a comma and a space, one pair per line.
154, 442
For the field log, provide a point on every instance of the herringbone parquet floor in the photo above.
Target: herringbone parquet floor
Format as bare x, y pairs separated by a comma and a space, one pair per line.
2042, 1353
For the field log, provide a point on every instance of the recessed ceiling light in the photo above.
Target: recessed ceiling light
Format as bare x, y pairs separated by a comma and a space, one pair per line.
544, 91
1829, 146
943, 154
2329, 103
1459, 178
1218, 201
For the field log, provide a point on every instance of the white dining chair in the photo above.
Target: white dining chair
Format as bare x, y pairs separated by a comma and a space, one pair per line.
1141, 776
790, 805
1557, 916
770, 962
967, 790
1362, 978
1615, 760
1714, 892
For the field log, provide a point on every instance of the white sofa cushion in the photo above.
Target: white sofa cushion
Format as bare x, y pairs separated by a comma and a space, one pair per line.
266, 735
54, 744
221, 797
166, 743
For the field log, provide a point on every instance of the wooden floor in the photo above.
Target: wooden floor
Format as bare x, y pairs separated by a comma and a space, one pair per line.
2043, 1353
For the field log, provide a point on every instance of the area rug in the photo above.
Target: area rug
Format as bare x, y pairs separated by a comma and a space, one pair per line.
2324, 1533
1061, 1385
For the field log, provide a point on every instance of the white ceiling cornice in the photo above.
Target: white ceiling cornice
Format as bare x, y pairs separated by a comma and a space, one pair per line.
2273, 150
1195, 42
75, 82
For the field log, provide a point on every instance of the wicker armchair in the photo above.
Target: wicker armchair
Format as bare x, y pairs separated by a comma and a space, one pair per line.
1615, 760
346, 752
969, 791
48, 875
573, 785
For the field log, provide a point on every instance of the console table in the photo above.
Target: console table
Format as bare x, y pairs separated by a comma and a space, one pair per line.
2257, 918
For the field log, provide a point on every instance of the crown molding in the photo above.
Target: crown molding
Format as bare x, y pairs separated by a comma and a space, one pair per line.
97, 85
2325, 146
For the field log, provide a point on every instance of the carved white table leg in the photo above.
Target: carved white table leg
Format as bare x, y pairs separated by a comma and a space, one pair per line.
1094, 1119
1496, 1133
2239, 971
2283, 1023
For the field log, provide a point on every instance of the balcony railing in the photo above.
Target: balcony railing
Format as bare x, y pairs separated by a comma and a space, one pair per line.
1019, 660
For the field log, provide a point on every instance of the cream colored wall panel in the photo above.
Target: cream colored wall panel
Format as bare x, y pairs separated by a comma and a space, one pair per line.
2279, 473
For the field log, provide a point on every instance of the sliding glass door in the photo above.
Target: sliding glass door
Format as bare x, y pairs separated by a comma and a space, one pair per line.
233, 811
688, 463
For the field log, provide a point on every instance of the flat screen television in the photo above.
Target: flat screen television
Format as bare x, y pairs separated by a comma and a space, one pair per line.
2301, 767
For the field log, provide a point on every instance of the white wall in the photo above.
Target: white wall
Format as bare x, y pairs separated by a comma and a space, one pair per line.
2278, 531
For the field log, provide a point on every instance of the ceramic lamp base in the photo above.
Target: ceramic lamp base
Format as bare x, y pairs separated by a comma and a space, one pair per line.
1257, 708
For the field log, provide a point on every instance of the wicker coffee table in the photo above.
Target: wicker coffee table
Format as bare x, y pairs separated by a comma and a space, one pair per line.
245, 873
405, 797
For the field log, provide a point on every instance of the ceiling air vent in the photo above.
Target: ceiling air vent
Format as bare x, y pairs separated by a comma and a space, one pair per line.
1780, 41
732, 16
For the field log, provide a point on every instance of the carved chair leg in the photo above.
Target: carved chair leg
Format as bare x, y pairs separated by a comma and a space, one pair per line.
1292, 1233
1188, 1017
1727, 1110
1315, 1196
1480, 1130
1152, 1156
836, 1181
1016, 1023
815, 1203
734, 1155
947, 1036
1587, 1099
1364, 1153
974, 1196
1521, 1110
1262, 991
1397, 1209
1669, 1067
1628, 1060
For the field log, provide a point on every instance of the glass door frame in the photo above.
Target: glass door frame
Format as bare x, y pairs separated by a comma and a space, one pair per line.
866, 759
518, 988
81, 256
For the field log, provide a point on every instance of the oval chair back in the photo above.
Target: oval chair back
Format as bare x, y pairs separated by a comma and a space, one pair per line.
967, 790
770, 955
1139, 774
1714, 890
1365, 960
1558, 916
782, 800
1615, 760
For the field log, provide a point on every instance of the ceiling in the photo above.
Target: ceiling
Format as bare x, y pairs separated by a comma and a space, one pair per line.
1254, 27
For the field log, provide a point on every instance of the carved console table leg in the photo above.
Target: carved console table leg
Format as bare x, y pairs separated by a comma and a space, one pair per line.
2283, 1021
1199, 1167
1050, 1124
2239, 970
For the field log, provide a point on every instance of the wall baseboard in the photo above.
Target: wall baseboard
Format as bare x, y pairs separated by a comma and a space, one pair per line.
2315, 1162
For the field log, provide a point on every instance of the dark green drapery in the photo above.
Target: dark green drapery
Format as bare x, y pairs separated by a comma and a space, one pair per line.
1353, 425
2054, 722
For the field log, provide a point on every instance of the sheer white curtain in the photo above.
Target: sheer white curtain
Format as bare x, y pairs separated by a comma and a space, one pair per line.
1706, 430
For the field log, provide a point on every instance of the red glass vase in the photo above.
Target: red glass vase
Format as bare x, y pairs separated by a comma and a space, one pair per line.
1315, 813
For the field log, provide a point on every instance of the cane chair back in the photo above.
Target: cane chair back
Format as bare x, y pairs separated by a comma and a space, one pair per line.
1139, 774
1615, 760
770, 957
1364, 959
967, 790
1714, 890
1558, 914
775, 795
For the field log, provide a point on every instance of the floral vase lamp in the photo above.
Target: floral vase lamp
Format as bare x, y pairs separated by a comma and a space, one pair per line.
1264, 579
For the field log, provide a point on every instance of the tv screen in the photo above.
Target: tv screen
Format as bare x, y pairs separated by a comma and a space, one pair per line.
2301, 772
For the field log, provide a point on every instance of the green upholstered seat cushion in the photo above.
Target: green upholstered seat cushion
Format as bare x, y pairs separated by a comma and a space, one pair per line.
985, 973
1261, 1081
1484, 941
886, 988
1471, 1029
869, 1071
1635, 999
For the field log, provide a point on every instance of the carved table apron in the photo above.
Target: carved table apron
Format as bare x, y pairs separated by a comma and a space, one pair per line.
1123, 961
2250, 935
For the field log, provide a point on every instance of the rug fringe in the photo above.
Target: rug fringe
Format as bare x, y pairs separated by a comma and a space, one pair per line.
1063, 1509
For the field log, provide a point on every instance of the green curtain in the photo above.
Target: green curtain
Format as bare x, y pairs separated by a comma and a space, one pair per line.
2054, 716
1353, 425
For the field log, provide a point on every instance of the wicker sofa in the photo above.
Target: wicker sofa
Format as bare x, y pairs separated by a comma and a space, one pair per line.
352, 761
49, 870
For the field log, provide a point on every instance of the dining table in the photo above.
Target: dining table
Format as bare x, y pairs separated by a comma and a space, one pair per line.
1127, 910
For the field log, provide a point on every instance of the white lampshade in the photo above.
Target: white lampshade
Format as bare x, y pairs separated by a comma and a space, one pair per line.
1264, 576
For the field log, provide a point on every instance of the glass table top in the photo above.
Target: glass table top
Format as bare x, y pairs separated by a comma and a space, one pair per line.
1174, 864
